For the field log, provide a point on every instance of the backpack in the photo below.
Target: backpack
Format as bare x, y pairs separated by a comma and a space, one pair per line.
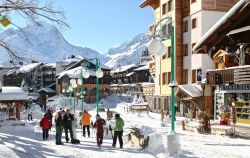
75, 141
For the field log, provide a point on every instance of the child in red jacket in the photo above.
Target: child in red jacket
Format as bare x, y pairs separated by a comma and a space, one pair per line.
99, 125
45, 124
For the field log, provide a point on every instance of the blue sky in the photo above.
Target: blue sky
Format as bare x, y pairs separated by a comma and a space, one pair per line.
102, 24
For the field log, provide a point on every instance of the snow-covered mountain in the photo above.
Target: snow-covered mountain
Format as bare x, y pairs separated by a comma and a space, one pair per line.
44, 43
128, 52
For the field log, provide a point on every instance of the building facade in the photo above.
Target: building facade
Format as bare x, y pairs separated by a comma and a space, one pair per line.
230, 51
190, 21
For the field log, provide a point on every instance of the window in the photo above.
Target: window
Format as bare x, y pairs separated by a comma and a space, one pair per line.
169, 5
185, 76
164, 78
193, 76
165, 104
164, 56
154, 103
169, 51
164, 8
194, 23
159, 79
185, 28
185, 50
166, 30
159, 103
168, 78
193, 1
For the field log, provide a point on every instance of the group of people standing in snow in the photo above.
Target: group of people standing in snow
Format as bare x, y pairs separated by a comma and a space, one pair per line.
68, 122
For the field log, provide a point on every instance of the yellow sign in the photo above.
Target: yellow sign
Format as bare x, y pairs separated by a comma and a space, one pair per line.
5, 21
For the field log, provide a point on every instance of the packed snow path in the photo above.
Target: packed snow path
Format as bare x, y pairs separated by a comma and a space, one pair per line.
23, 141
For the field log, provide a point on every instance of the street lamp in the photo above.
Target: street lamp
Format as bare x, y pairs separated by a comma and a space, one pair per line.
156, 47
84, 74
99, 74
205, 119
70, 95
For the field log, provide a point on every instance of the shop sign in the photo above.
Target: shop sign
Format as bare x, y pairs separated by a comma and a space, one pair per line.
235, 87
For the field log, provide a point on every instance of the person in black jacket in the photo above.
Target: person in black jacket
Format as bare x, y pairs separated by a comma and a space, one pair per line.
67, 125
59, 128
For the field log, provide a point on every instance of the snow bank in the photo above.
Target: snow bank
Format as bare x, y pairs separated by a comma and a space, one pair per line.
111, 101
155, 144
173, 143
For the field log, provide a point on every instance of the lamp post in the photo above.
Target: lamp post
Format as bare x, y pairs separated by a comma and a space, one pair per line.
99, 74
205, 119
84, 74
156, 47
70, 96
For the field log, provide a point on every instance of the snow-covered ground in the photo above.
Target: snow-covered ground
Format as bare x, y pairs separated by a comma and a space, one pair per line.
26, 141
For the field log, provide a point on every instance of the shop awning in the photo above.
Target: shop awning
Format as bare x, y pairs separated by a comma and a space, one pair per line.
188, 91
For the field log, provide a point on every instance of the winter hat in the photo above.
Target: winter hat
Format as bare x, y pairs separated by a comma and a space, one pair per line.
117, 115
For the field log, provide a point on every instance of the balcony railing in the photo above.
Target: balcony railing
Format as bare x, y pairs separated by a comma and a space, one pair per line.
236, 75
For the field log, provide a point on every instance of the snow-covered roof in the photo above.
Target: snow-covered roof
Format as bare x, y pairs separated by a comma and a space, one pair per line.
10, 72
145, 67
53, 65
13, 94
123, 68
53, 98
191, 90
129, 74
47, 90
29, 67
220, 23
66, 62
74, 73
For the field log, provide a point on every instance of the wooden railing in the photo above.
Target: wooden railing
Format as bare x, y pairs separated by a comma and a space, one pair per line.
236, 75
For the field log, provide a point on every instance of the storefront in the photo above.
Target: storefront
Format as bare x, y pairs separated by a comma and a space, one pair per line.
235, 94
11, 101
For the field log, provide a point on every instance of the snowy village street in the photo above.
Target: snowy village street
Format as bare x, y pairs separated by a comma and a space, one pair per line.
24, 141
125, 79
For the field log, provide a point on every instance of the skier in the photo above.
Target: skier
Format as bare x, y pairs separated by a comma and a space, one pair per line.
29, 114
109, 115
86, 122
67, 125
99, 125
59, 128
50, 116
45, 124
118, 130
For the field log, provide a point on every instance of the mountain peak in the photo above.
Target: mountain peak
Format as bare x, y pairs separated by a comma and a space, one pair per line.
129, 52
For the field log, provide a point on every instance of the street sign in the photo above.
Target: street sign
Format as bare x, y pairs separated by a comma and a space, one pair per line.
4, 21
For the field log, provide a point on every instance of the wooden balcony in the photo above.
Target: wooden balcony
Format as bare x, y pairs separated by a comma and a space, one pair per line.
236, 75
